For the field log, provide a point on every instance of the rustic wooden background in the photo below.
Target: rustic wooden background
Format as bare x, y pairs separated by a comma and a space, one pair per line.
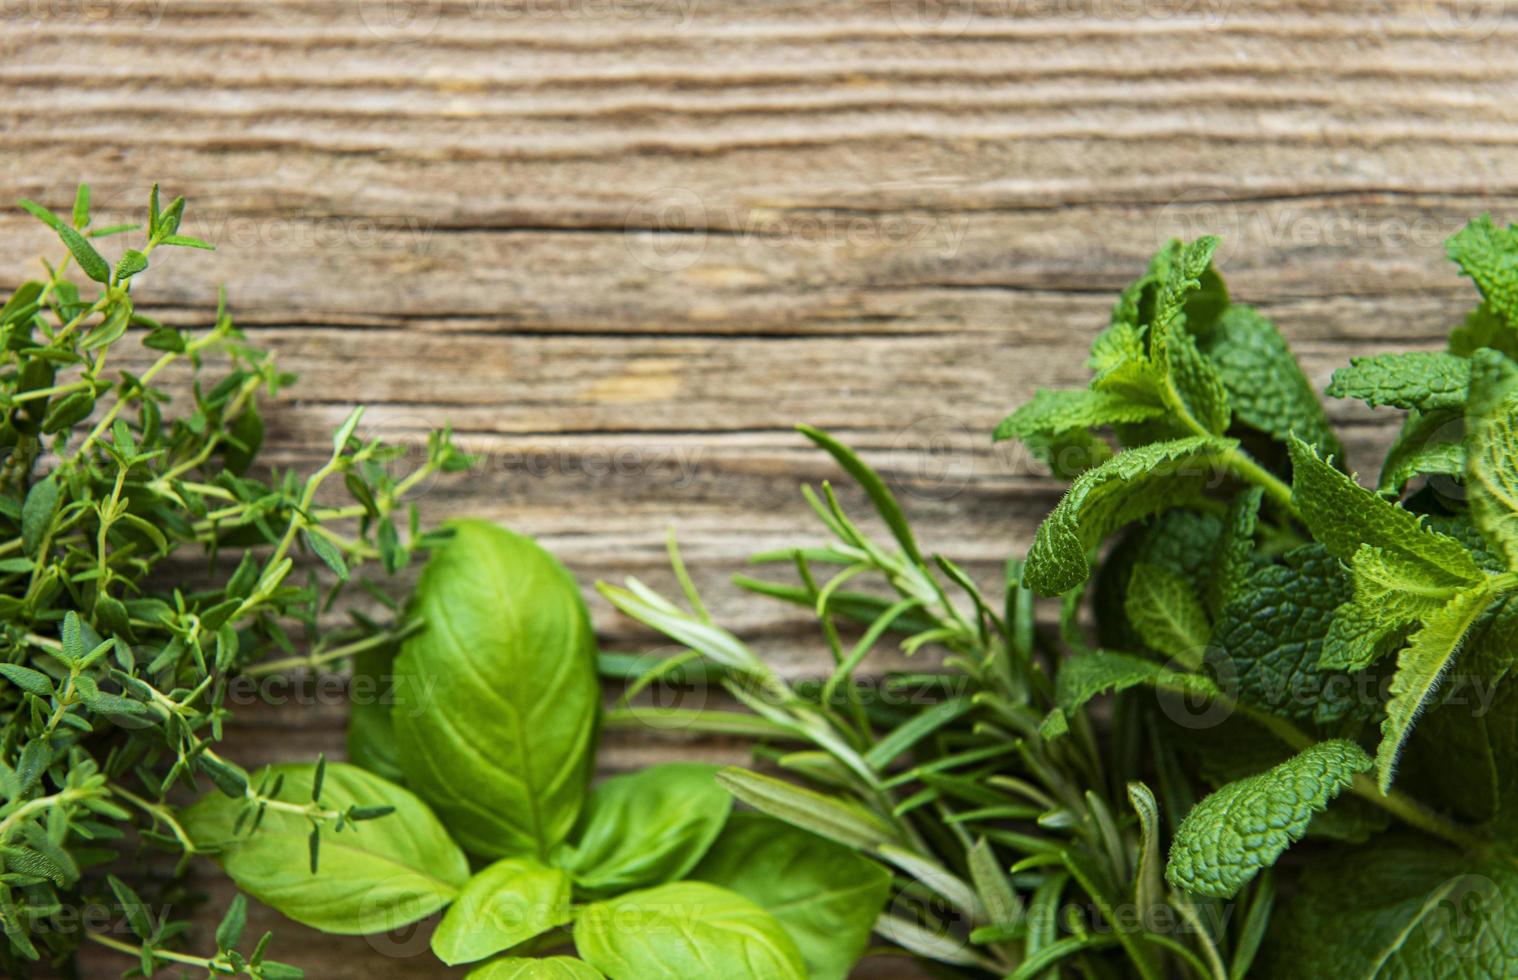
624, 245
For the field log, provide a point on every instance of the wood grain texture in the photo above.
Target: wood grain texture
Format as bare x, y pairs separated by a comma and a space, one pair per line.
624, 245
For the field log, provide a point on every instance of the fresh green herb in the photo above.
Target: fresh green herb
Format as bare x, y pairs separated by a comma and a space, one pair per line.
115, 485
496, 725
1289, 654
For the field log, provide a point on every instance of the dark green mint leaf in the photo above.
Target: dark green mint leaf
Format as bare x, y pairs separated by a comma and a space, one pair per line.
1231, 835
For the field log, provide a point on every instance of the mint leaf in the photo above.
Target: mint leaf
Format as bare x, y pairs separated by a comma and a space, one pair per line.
1344, 515
1428, 445
1097, 672
1228, 837
1197, 388
1234, 559
1167, 614
1483, 328
1489, 255
1266, 386
1070, 453
1186, 267
1272, 636
1390, 594
1420, 665
1401, 908
1128, 486
1422, 380
1053, 411
1491, 475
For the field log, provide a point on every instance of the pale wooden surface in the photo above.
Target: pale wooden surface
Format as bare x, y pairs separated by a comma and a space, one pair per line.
623, 245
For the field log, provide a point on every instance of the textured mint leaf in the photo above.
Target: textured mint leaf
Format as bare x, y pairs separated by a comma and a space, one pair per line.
1166, 613
1180, 541
1390, 594
1052, 411
1489, 255
1098, 672
1450, 756
1266, 386
1128, 486
1272, 635
1187, 264
1195, 387
1231, 835
1420, 665
1428, 443
1483, 328
1420, 379
1194, 289
1234, 553
1114, 350
1459, 527
1344, 515
1491, 473
1069, 454
1400, 908
1436, 459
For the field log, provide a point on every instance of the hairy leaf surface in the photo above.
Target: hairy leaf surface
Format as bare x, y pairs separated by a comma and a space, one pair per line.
1421, 380
1420, 665
1052, 411
1228, 837
1344, 515
1491, 473
1266, 385
1129, 486
1489, 255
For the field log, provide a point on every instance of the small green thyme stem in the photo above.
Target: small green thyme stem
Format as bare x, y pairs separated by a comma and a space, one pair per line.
159, 812
211, 966
318, 658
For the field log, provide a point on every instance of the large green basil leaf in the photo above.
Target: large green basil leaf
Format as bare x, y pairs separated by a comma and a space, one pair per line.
371, 732
826, 896
374, 876
508, 903
646, 828
685, 930
551, 968
497, 697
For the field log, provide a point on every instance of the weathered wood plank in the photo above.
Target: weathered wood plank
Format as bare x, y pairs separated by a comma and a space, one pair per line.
624, 245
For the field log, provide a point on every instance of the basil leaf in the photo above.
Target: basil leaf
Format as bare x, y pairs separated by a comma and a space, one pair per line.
824, 895
508, 903
676, 932
496, 725
552, 968
646, 828
371, 732
375, 876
